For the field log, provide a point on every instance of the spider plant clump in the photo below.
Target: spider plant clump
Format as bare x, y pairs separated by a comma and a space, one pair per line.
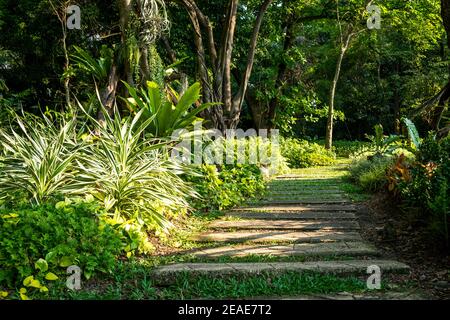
132, 176
39, 158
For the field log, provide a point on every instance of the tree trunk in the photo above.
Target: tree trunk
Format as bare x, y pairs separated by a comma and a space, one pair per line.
397, 104
143, 63
61, 13
228, 45
218, 88
240, 95
108, 95
124, 14
330, 120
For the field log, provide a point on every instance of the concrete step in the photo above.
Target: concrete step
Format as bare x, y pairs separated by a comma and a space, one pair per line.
303, 186
305, 192
297, 249
323, 198
277, 236
168, 273
297, 208
310, 178
264, 224
303, 201
302, 215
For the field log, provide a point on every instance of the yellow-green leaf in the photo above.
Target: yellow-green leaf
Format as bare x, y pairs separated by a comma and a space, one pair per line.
42, 265
27, 281
51, 276
35, 284
24, 297
60, 205
65, 261
43, 289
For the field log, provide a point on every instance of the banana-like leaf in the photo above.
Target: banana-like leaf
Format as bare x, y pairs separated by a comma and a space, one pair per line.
412, 132
167, 117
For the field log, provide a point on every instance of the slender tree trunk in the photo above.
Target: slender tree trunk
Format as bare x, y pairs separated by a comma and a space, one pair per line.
61, 13
143, 63
227, 94
330, 120
66, 69
238, 100
108, 95
124, 14
397, 103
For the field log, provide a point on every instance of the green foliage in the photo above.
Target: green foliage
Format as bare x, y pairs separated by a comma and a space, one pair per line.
263, 152
345, 148
166, 117
427, 184
132, 177
413, 134
304, 154
50, 237
383, 145
39, 158
97, 68
370, 174
225, 186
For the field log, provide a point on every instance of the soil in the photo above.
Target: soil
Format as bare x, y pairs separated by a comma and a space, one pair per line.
400, 235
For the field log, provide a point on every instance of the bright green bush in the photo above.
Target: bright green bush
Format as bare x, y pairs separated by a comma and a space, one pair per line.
370, 174
62, 235
226, 186
258, 151
304, 154
345, 149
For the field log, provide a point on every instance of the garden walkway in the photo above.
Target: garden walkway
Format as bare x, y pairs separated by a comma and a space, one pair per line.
305, 222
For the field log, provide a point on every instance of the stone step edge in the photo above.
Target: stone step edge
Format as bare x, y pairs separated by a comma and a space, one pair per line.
265, 236
297, 216
342, 267
343, 248
276, 224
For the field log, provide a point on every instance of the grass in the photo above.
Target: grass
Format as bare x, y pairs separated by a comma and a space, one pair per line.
190, 258
131, 280
354, 192
233, 287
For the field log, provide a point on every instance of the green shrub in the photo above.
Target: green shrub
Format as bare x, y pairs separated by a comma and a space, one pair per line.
38, 159
166, 117
428, 184
133, 178
371, 174
304, 154
62, 235
225, 186
345, 149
